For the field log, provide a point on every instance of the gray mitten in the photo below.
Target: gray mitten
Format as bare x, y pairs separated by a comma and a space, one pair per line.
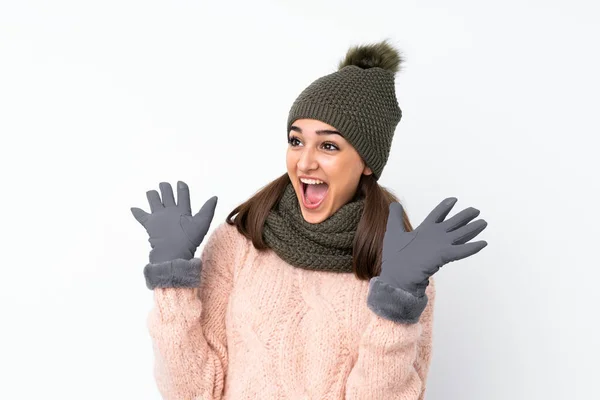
409, 259
174, 236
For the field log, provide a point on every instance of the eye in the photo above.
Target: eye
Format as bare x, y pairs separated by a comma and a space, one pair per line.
333, 146
292, 140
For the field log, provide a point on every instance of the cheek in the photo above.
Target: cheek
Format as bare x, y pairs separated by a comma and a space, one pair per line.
346, 175
341, 169
289, 161
331, 166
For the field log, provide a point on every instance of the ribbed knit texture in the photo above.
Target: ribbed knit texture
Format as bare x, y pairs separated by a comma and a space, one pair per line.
259, 328
326, 246
361, 104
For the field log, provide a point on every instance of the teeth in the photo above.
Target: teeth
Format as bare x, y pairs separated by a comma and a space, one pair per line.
311, 181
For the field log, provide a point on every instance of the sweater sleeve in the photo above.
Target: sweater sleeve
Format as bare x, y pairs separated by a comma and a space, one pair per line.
187, 325
393, 357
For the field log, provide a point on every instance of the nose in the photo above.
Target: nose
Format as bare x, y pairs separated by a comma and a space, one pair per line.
307, 160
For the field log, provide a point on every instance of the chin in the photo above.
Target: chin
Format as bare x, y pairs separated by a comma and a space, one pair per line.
314, 218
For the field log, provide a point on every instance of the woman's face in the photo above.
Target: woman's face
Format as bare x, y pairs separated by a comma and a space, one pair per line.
317, 151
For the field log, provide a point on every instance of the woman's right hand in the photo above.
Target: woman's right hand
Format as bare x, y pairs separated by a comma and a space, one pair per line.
174, 232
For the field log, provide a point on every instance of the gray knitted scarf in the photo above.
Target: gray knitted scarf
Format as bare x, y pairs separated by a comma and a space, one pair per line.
326, 246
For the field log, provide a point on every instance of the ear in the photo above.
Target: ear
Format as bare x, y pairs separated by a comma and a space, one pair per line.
367, 171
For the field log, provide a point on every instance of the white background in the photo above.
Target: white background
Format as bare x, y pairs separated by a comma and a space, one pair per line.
101, 101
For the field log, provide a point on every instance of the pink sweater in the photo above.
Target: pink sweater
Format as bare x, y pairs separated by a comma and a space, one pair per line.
259, 328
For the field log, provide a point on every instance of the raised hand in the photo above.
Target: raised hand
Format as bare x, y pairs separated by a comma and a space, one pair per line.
174, 232
409, 259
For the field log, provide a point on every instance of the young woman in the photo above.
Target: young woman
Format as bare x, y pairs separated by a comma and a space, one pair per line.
317, 287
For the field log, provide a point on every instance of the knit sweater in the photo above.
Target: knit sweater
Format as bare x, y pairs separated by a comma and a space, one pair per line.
259, 328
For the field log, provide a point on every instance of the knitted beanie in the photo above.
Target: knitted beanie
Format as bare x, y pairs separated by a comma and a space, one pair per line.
359, 100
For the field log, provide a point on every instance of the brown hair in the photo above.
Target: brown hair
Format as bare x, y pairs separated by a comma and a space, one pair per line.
368, 241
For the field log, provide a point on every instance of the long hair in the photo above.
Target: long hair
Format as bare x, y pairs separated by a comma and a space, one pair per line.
368, 240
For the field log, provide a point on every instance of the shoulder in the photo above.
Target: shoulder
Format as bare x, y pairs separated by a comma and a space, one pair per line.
227, 231
430, 291
225, 239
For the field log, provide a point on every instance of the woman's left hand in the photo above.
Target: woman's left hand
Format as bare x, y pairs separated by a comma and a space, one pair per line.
409, 259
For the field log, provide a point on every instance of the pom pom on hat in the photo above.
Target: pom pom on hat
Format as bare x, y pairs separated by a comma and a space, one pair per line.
381, 54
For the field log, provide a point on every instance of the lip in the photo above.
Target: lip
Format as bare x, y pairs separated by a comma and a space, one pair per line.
304, 203
312, 177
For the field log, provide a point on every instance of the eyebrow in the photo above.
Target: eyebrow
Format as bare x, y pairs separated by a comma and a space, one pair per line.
318, 132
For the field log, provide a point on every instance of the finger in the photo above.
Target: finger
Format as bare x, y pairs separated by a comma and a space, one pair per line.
395, 216
468, 232
204, 217
207, 211
140, 215
154, 200
183, 197
460, 219
461, 251
167, 194
440, 212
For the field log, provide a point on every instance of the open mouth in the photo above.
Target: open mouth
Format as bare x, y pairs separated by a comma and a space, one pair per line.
313, 195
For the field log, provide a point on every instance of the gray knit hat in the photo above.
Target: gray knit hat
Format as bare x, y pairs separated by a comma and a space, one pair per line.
359, 100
